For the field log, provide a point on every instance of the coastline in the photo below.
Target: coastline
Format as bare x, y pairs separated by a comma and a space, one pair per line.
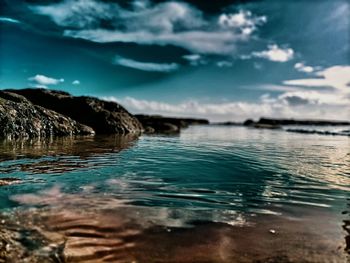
30, 113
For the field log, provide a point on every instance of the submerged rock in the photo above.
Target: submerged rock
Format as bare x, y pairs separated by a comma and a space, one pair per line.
103, 116
19, 118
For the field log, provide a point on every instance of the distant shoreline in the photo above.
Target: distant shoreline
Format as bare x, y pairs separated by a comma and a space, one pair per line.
46, 113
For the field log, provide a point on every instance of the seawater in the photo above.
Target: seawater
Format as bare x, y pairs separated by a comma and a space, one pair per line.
247, 181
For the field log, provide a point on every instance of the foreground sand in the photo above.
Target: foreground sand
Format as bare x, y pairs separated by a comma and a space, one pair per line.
90, 228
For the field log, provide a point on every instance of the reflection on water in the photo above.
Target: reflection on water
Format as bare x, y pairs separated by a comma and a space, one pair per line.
212, 194
59, 155
82, 146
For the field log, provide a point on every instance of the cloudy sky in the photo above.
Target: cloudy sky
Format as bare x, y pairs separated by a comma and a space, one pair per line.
223, 60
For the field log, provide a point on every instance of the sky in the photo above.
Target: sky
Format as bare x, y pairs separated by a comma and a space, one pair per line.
220, 60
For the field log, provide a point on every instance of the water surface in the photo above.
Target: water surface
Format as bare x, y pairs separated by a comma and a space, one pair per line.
210, 194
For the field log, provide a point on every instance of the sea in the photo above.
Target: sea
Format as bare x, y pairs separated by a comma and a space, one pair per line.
212, 193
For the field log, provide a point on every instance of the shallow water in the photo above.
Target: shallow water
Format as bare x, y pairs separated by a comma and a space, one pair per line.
210, 194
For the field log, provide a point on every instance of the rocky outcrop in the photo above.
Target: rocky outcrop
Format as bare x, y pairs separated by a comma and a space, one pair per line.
103, 116
267, 121
160, 124
82, 112
248, 122
228, 123
320, 132
19, 118
261, 125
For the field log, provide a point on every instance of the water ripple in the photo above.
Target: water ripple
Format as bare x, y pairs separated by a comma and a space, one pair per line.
213, 167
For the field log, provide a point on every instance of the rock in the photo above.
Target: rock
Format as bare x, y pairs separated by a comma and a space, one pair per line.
21, 119
14, 242
266, 123
149, 130
259, 125
266, 126
13, 97
305, 131
160, 124
301, 122
248, 122
103, 116
165, 127
229, 123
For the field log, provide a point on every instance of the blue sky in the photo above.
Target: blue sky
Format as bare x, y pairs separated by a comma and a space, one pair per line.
230, 60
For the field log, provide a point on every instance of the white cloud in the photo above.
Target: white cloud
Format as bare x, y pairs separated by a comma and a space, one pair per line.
9, 20
213, 111
273, 87
76, 82
145, 66
192, 57
300, 66
287, 105
77, 14
38, 86
167, 23
303, 100
243, 20
337, 77
224, 64
195, 59
215, 42
274, 53
41, 81
315, 97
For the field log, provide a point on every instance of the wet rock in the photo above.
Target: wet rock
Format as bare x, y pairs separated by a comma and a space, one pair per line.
163, 127
21, 119
15, 247
272, 231
160, 124
149, 130
103, 116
